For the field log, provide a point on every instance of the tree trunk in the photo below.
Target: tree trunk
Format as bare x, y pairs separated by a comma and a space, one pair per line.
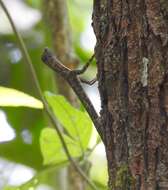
132, 61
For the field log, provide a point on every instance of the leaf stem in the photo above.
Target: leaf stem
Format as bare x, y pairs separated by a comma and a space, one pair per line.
46, 106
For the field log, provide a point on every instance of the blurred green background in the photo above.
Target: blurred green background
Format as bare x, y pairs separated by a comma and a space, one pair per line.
20, 154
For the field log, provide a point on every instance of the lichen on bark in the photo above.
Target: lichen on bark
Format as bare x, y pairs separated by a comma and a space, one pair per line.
132, 61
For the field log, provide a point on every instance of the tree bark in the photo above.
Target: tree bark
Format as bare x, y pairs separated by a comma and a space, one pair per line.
132, 61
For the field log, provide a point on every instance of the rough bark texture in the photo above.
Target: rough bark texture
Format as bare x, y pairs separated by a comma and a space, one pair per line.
132, 61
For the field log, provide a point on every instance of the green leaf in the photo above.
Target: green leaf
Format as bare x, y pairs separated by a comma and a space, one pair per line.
52, 149
76, 123
14, 98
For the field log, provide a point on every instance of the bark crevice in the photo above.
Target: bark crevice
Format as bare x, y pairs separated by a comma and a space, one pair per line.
132, 54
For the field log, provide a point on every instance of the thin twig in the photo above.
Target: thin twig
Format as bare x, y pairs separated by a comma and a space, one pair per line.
46, 107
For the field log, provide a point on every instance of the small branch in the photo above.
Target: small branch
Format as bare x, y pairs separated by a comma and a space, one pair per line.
46, 107
74, 81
